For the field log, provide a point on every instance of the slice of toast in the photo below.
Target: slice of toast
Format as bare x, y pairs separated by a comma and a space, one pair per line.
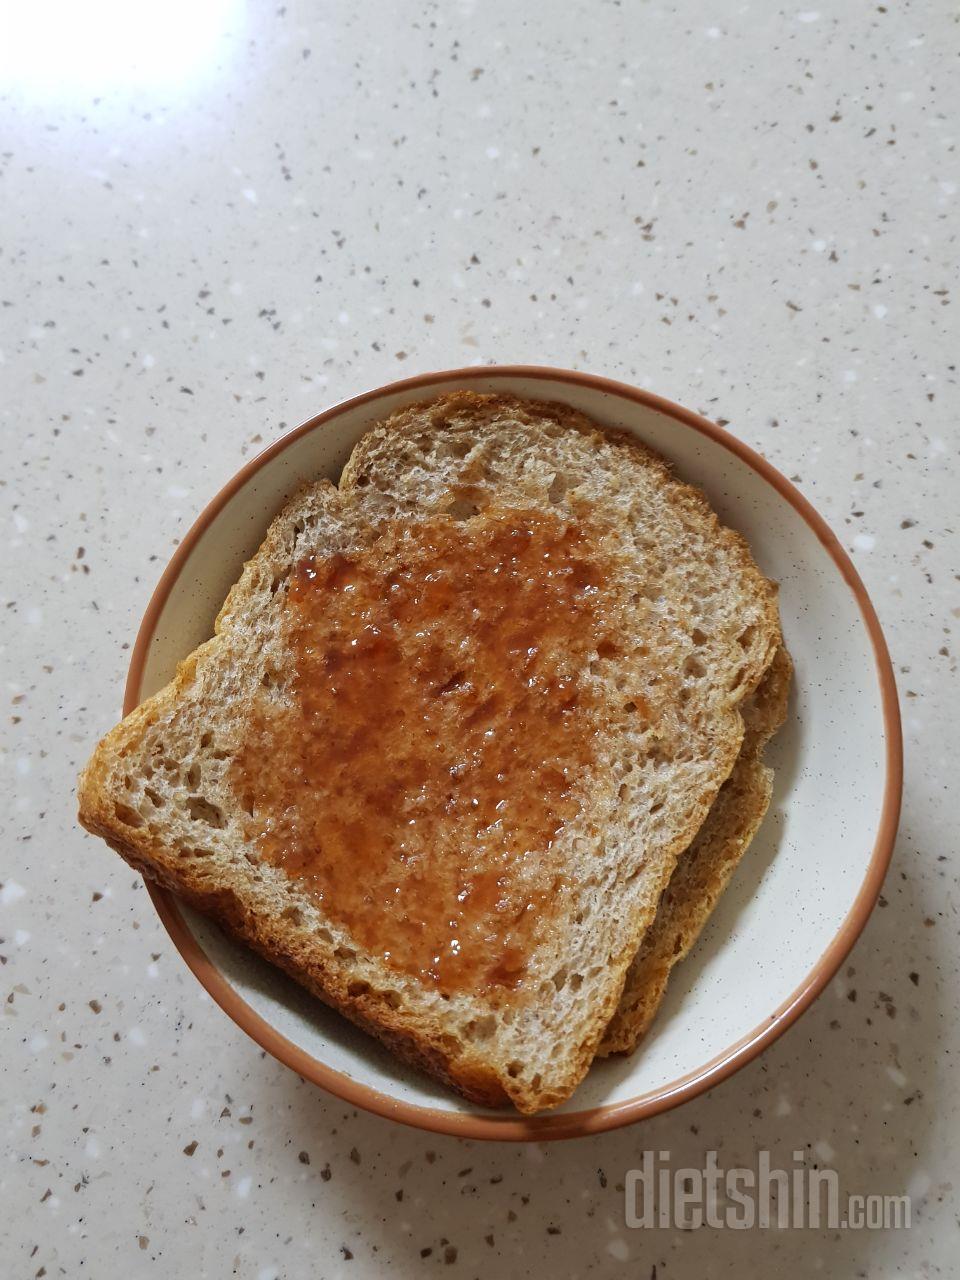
704, 871
457, 721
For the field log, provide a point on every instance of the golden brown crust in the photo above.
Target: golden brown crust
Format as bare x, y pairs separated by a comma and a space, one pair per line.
367, 1011
436, 415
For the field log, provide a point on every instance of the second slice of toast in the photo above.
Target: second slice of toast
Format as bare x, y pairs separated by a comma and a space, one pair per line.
705, 869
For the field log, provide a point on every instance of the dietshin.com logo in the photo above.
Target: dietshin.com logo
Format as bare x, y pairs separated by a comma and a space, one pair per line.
743, 1198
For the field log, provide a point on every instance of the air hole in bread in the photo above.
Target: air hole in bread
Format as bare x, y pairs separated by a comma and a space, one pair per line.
745, 637
655, 807
536, 1081
560, 979
480, 1028
292, 914
391, 998
456, 448
153, 797
129, 817
201, 810
558, 487
448, 686
345, 953
206, 739
358, 988
698, 637
278, 581
694, 667
576, 981
193, 777
461, 508
128, 783
514, 1068
324, 935
607, 649
623, 792
196, 851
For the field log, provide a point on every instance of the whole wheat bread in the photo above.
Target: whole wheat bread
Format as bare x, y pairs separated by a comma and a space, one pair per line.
689, 626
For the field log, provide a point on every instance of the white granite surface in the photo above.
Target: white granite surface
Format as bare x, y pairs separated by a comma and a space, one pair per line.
750, 208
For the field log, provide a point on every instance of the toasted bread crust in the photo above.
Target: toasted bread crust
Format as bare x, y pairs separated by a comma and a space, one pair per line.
370, 1011
436, 416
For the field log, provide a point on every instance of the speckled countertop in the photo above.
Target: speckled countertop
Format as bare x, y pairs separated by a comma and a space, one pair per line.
752, 209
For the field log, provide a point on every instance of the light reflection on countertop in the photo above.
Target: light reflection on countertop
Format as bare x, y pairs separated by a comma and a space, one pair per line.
61, 51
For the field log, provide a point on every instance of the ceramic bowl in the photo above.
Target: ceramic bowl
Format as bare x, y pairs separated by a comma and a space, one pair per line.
799, 898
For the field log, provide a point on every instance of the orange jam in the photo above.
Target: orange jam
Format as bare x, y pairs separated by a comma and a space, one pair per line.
434, 737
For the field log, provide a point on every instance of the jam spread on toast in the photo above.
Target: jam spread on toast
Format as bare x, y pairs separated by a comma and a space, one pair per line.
432, 736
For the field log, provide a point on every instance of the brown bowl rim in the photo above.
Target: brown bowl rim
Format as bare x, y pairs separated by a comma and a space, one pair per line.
596, 1119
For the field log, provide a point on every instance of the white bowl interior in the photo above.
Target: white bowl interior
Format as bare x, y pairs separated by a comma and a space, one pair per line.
802, 872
